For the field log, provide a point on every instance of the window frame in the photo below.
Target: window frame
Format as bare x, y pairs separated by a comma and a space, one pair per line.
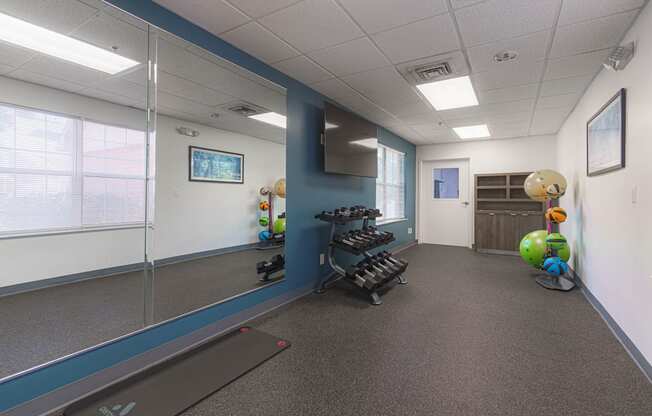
77, 173
384, 220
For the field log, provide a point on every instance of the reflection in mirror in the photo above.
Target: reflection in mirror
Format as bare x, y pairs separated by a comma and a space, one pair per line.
219, 215
72, 178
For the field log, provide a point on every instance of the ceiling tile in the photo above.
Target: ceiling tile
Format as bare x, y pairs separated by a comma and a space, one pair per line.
573, 11
13, 55
123, 87
40, 79
501, 19
108, 33
260, 8
488, 110
431, 129
5, 68
423, 38
259, 42
351, 57
516, 117
379, 15
216, 16
312, 24
60, 16
565, 85
501, 95
548, 121
584, 64
111, 97
333, 88
529, 48
181, 104
383, 86
457, 4
591, 35
191, 90
64, 70
556, 101
430, 117
509, 74
303, 69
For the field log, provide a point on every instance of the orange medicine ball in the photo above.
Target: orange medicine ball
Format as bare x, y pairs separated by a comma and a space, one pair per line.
556, 215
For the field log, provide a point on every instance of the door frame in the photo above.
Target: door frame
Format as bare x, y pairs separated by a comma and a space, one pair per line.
420, 196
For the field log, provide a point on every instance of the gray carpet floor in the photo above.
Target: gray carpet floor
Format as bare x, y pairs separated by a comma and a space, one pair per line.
42, 325
471, 334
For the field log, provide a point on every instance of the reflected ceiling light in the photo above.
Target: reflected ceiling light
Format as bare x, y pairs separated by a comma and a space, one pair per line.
331, 126
450, 93
276, 119
472, 132
30, 36
370, 143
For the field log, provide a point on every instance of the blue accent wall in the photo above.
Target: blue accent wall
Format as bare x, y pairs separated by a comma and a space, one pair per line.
310, 192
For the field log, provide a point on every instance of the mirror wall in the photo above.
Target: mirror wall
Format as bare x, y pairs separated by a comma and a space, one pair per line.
220, 139
108, 222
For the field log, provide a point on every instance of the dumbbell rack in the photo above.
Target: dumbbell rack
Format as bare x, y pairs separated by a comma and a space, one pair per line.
340, 272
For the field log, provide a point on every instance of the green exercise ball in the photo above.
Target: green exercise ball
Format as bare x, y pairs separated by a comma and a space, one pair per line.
533, 248
279, 226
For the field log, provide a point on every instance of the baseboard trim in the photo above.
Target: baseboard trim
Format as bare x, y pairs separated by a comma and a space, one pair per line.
112, 271
404, 246
618, 332
55, 402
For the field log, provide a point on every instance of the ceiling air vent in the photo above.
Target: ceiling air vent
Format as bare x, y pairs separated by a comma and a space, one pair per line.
244, 108
431, 72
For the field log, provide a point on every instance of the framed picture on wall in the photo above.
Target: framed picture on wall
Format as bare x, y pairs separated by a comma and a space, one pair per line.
210, 165
605, 137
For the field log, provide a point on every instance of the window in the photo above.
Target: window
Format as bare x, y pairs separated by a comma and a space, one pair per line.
446, 183
62, 172
390, 184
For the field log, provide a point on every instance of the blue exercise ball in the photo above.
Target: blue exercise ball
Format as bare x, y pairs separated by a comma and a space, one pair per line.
555, 266
264, 235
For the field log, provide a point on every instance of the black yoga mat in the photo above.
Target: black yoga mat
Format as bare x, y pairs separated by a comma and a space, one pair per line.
171, 387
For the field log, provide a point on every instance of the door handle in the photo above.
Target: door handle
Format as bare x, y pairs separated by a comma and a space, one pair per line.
492, 214
465, 203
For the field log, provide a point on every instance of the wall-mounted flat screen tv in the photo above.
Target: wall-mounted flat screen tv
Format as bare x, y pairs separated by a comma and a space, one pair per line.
350, 143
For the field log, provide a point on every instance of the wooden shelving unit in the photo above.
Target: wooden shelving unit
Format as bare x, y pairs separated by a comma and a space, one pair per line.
504, 213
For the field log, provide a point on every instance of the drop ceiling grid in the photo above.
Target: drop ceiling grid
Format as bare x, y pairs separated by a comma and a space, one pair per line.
555, 78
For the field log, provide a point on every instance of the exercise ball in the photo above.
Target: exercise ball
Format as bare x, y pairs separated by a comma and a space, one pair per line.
545, 184
279, 226
264, 235
556, 215
533, 248
264, 205
555, 266
279, 188
556, 241
264, 221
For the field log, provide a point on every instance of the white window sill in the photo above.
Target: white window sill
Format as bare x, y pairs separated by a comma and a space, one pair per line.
73, 230
392, 221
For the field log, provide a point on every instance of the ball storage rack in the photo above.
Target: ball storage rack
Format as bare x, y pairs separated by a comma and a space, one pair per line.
375, 271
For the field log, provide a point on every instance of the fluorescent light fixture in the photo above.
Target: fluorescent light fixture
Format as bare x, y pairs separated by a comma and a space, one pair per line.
450, 93
472, 132
370, 143
331, 126
276, 119
30, 36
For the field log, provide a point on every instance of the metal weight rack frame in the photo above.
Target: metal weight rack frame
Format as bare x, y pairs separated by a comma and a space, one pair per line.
340, 272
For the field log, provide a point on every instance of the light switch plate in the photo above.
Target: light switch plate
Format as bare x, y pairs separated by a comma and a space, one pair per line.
634, 194
321, 259
409, 230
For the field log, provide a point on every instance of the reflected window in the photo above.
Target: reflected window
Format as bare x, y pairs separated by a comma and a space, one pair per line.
390, 184
446, 183
62, 172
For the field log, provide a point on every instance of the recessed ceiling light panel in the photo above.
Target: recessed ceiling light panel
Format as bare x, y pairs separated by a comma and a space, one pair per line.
275, 119
472, 132
450, 93
39, 39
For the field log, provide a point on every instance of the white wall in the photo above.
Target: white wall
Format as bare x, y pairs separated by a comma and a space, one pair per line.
609, 234
190, 216
521, 154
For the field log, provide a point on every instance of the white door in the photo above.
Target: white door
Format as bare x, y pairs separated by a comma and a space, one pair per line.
445, 212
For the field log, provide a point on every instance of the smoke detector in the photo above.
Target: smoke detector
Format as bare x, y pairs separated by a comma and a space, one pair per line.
431, 72
505, 56
619, 57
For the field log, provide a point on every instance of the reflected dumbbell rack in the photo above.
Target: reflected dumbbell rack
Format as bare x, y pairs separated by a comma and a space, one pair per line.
375, 271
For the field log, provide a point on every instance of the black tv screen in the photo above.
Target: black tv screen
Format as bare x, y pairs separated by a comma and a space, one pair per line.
350, 143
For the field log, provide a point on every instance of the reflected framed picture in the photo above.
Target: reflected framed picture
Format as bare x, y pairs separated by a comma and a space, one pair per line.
605, 137
210, 165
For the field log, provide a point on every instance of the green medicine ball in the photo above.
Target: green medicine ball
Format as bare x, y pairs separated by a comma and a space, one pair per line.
264, 221
556, 241
279, 226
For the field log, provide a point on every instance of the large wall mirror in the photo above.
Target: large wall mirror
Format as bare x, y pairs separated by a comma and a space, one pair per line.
111, 220
220, 141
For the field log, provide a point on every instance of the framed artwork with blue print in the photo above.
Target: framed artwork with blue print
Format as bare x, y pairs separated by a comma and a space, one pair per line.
605, 137
210, 165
